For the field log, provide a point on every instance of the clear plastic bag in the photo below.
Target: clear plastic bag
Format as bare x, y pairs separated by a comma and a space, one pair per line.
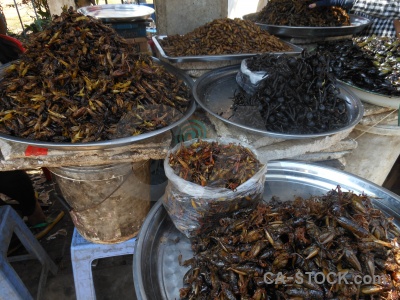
249, 80
193, 208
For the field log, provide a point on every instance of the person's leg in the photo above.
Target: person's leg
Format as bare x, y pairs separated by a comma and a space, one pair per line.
18, 186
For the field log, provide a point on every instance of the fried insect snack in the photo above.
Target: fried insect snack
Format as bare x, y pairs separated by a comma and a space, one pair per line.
78, 80
223, 36
333, 246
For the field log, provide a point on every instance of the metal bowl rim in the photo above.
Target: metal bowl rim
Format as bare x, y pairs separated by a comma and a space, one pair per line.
366, 91
354, 16
313, 32
145, 10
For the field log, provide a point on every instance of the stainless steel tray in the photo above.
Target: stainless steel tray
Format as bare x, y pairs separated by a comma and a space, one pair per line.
374, 98
357, 24
117, 12
156, 271
203, 58
120, 141
215, 90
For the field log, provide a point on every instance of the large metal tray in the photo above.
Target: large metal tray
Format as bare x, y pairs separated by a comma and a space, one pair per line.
117, 12
357, 24
373, 98
120, 141
156, 271
295, 50
215, 90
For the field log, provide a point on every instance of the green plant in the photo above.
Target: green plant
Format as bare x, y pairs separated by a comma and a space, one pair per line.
41, 14
37, 25
41, 7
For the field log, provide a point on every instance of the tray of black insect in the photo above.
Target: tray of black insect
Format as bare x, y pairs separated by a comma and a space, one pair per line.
292, 49
373, 97
368, 66
160, 271
357, 24
282, 108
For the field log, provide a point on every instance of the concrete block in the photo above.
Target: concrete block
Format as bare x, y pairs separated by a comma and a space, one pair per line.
377, 151
270, 148
183, 16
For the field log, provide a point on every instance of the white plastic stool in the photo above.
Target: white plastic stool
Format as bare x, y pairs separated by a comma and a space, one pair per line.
11, 285
83, 252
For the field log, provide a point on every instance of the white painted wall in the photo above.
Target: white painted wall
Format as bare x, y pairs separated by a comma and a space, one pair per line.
239, 8
56, 6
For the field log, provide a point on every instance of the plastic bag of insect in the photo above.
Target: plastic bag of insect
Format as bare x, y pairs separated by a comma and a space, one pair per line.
247, 79
208, 179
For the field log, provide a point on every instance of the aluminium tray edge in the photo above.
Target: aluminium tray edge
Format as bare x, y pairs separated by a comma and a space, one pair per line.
137, 12
373, 97
207, 58
314, 32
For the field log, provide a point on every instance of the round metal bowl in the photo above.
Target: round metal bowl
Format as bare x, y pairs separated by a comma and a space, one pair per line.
156, 270
215, 90
357, 24
373, 98
119, 141
117, 12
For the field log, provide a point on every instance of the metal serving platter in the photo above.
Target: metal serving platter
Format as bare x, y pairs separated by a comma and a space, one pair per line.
156, 271
119, 141
295, 50
215, 90
374, 98
357, 24
117, 12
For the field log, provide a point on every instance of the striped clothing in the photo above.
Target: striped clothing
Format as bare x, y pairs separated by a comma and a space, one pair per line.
381, 13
